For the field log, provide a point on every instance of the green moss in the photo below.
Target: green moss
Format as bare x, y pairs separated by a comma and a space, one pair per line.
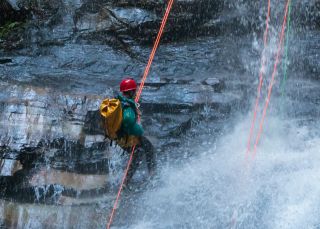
7, 28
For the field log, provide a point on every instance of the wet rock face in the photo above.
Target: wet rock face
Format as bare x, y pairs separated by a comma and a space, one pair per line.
140, 20
44, 7
113, 22
122, 24
42, 127
31, 113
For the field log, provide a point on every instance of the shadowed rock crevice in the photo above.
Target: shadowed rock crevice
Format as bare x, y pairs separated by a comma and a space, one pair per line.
11, 14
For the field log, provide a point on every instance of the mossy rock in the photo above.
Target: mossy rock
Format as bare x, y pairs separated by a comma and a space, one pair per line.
8, 27
11, 35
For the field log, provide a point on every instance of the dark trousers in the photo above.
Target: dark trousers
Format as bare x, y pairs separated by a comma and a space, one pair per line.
144, 149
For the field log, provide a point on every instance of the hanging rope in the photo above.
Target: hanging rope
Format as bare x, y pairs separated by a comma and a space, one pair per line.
153, 52
272, 77
285, 63
120, 189
262, 70
235, 213
146, 72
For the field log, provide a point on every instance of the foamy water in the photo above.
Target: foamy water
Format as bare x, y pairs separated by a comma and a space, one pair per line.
220, 189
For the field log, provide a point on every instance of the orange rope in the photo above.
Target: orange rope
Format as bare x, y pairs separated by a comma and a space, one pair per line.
146, 72
262, 69
273, 77
153, 52
282, 34
120, 189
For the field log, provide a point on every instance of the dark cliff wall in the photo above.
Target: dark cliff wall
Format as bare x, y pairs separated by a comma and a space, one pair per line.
9, 14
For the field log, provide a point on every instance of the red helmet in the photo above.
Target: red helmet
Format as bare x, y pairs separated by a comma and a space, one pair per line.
128, 84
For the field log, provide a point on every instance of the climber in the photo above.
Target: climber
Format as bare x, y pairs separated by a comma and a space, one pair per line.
130, 132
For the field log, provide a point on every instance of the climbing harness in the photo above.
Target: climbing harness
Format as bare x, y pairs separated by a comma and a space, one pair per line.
146, 72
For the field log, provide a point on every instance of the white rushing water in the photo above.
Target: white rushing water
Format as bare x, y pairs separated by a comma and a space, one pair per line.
278, 189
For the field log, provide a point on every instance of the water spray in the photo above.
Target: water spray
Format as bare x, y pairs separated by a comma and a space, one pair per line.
262, 71
272, 77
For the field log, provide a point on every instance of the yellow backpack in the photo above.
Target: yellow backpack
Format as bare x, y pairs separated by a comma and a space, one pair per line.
111, 111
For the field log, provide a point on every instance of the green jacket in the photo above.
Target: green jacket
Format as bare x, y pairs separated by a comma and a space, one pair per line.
129, 124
